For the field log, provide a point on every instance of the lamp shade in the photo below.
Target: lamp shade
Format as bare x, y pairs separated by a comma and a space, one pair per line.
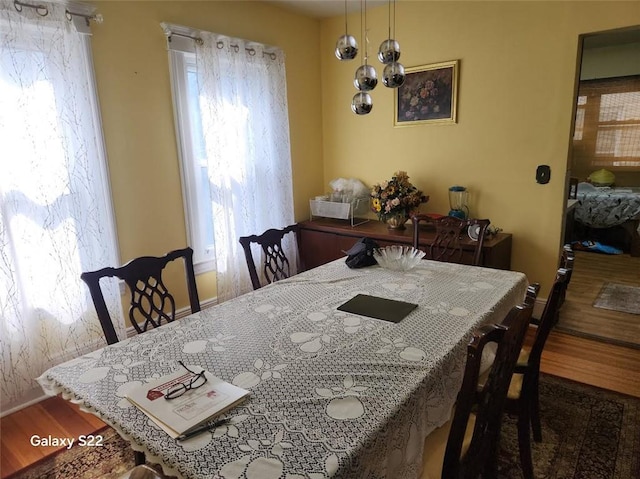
393, 75
346, 48
361, 103
389, 51
366, 78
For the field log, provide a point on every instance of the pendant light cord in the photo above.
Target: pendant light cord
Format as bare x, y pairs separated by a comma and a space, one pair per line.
346, 27
389, 8
365, 35
394, 19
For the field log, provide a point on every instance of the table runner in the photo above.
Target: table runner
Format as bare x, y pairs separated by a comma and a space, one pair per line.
332, 394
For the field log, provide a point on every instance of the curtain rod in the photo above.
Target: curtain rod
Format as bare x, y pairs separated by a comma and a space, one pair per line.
43, 11
198, 40
97, 18
219, 43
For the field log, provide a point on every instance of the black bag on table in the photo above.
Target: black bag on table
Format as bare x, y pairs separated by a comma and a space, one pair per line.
360, 254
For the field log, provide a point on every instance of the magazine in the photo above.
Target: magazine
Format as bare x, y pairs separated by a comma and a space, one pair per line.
196, 406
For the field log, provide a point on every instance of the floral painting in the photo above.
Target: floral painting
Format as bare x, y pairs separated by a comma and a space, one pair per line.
428, 94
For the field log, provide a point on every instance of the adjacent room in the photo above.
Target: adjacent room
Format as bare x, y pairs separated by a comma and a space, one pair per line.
323, 239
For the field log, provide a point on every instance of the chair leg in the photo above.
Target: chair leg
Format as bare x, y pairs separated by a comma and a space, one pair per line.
534, 408
139, 458
524, 441
490, 469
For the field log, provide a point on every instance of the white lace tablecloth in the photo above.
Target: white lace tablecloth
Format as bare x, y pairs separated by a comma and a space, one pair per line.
606, 207
332, 394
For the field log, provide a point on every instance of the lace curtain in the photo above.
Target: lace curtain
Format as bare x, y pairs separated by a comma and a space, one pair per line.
55, 213
243, 103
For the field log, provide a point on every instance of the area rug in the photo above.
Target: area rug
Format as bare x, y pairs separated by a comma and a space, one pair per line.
109, 461
619, 297
588, 433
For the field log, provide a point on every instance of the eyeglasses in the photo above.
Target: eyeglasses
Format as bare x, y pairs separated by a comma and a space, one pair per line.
197, 380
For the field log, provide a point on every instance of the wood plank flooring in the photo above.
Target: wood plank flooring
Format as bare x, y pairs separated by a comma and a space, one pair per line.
53, 416
590, 272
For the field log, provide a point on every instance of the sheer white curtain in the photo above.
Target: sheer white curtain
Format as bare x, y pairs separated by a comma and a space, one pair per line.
55, 212
243, 103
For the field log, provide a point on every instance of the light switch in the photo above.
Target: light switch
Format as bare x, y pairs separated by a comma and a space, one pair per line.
543, 174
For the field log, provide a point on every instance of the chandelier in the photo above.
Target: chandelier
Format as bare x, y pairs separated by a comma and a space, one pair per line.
366, 78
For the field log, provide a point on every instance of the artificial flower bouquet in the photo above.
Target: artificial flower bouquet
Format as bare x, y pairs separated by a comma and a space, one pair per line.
396, 197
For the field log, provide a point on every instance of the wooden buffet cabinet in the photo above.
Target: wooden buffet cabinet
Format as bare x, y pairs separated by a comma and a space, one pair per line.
324, 240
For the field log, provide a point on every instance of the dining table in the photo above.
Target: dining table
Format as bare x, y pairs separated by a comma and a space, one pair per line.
333, 394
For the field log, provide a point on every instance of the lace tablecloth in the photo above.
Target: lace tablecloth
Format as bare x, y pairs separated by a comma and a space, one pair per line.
607, 207
332, 394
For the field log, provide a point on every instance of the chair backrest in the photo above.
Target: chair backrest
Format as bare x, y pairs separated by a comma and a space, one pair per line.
276, 265
150, 301
446, 245
567, 260
488, 403
549, 317
532, 294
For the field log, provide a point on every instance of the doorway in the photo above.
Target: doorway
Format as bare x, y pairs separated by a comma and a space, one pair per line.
604, 225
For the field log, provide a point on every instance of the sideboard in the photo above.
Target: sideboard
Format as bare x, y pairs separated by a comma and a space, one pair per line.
324, 240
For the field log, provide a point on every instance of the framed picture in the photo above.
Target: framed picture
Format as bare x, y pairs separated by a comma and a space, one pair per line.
428, 95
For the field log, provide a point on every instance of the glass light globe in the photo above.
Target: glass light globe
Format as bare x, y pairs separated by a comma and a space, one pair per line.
389, 51
393, 75
366, 78
362, 103
346, 48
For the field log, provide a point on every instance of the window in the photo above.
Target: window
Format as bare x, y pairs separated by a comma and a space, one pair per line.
607, 132
55, 205
234, 144
193, 161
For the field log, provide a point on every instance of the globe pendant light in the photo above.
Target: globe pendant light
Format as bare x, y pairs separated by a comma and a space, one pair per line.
393, 75
362, 103
366, 77
346, 46
389, 51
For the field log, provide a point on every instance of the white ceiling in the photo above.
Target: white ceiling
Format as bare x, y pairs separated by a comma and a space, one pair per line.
325, 8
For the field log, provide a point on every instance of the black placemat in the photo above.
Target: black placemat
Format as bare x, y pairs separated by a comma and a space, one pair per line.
379, 308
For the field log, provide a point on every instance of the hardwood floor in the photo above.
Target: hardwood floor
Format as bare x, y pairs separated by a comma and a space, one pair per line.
53, 416
590, 272
593, 362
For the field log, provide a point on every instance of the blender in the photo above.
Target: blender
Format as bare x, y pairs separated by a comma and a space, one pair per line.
458, 199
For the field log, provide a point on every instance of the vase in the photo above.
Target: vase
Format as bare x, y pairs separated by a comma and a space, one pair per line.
397, 220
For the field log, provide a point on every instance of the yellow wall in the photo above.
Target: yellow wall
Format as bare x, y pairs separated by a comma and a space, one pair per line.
517, 71
516, 94
132, 74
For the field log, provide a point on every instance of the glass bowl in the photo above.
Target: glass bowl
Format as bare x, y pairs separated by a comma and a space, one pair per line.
397, 257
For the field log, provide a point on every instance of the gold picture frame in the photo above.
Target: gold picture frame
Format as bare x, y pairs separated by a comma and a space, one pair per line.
428, 95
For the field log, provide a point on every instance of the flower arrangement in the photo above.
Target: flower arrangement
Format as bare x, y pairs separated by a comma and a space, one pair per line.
396, 197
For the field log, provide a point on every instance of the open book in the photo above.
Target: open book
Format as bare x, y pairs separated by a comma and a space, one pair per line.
195, 407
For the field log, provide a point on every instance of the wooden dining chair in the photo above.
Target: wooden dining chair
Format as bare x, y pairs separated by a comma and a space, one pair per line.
567, 260
523, 395
150, 301
276, 265
446, 245
467, 445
